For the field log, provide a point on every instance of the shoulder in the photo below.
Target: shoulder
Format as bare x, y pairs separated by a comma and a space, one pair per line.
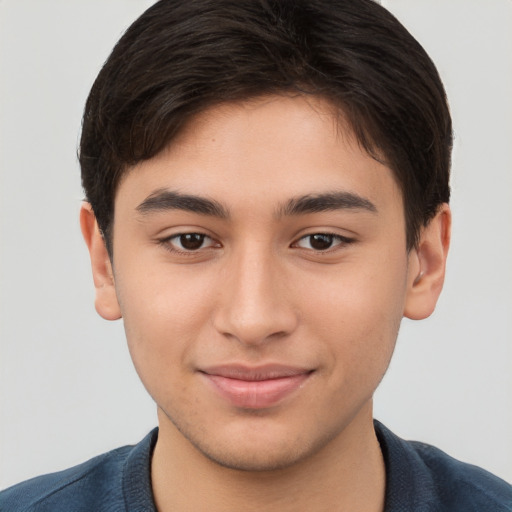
65, 490
425, 478
458, 482
98, 484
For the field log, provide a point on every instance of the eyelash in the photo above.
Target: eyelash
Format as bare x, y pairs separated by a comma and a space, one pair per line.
167, 243
342, 241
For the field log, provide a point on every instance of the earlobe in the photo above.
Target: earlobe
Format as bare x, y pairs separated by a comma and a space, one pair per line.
106, 302
427, 264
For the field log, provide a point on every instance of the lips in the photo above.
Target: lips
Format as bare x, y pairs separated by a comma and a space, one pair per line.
256, 387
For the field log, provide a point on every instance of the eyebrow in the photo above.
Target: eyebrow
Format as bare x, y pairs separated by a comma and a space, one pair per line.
164, 200
314, 203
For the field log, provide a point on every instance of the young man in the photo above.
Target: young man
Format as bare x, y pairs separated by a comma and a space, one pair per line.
267, 187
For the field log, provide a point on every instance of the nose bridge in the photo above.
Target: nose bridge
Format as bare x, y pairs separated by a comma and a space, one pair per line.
255, 304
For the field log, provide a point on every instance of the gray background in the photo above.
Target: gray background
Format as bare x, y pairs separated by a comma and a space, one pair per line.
67, 387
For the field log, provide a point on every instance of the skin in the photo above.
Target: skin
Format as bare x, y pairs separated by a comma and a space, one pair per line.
256, 291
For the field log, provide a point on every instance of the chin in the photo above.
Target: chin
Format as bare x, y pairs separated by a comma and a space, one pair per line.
252, 459
258, 449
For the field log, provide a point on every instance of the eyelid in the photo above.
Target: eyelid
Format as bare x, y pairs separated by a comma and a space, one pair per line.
166, 242
342, 241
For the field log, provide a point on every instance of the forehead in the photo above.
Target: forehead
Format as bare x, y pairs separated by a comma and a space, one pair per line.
270, 148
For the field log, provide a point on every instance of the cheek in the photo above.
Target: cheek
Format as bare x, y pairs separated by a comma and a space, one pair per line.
358, 314
163, 317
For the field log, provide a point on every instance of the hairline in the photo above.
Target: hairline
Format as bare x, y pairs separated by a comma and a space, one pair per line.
342, 123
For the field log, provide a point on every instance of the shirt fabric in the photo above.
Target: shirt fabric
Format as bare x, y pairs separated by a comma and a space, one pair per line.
419, 478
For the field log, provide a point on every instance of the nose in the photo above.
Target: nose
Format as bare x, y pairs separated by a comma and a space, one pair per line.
255, 303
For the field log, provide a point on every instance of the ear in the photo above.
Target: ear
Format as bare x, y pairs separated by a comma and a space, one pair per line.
106, 302
427, 264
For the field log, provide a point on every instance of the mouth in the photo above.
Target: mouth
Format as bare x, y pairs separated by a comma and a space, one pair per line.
256, 387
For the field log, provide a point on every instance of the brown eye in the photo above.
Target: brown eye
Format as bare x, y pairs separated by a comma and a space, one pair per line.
322, 241
190, 242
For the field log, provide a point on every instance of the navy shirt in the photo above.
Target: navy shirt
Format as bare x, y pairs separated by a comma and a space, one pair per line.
419, 478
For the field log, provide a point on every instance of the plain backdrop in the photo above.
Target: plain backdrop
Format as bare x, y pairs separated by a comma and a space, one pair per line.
67, 387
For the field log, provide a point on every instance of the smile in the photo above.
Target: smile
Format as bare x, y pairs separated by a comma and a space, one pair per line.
256, 388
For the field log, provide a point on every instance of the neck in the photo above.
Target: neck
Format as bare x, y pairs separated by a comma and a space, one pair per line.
346, 474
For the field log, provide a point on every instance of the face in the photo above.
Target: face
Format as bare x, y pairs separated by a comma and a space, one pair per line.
260, 266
